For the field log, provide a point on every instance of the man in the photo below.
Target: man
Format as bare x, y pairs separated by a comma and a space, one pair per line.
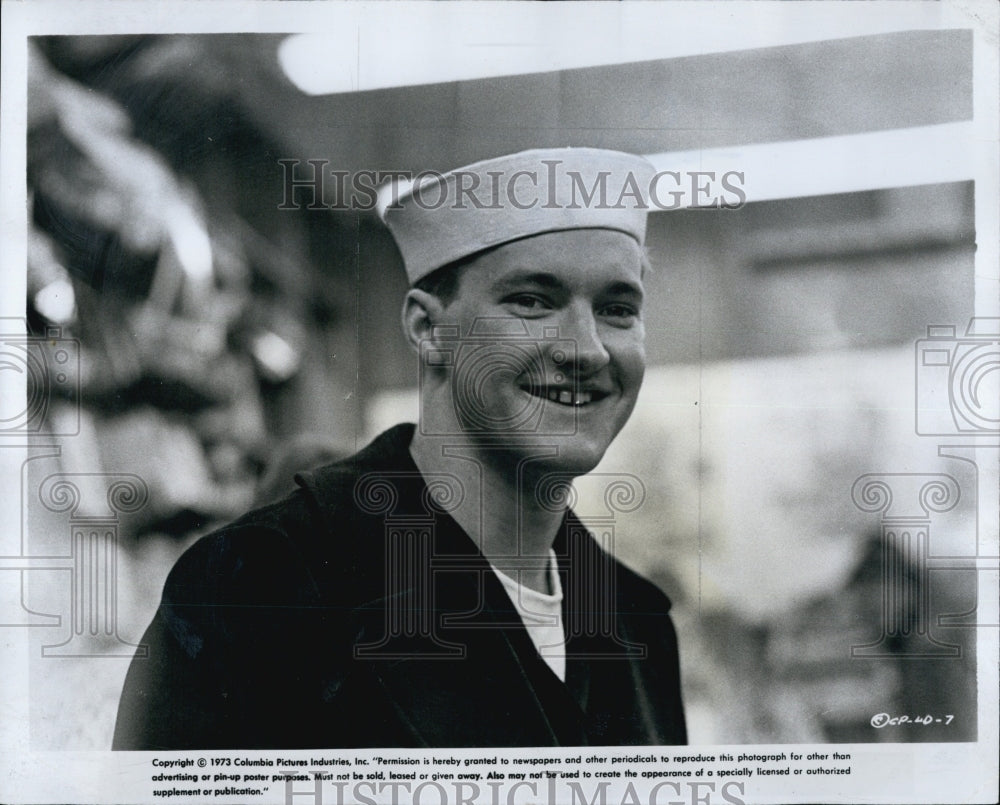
435, 589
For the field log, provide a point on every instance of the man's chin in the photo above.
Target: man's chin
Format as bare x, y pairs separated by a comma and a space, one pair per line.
570, 458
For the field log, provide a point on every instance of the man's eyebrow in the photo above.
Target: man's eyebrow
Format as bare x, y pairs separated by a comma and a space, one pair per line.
625, 289
542, 279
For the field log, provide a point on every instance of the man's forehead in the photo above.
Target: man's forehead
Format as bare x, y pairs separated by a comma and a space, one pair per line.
447, 218
591, 256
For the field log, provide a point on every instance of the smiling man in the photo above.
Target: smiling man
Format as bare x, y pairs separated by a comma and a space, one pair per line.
436, 589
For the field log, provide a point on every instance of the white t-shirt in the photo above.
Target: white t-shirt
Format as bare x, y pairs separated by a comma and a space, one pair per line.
541, 614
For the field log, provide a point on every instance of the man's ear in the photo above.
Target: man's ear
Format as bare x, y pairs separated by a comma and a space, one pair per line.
421, 311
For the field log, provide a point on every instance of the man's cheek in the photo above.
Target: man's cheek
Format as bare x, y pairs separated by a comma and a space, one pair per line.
632, 365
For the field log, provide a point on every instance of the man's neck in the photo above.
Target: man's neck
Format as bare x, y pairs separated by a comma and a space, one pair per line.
499, 510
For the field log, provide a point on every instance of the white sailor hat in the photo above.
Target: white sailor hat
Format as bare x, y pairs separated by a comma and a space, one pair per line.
440, 218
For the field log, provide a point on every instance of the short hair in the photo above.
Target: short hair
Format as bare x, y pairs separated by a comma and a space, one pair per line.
443, 282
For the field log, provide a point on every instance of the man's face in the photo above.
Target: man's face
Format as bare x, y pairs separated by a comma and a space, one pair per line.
551, 342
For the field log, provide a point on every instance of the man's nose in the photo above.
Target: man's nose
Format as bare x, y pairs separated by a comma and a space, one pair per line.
579, 326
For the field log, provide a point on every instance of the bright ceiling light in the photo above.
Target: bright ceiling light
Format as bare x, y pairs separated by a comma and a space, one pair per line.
427, 44
843, 164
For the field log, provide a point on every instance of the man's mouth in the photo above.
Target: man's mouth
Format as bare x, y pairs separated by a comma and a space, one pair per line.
566, 396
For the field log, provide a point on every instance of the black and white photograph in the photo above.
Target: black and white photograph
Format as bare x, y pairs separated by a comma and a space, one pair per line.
578, 403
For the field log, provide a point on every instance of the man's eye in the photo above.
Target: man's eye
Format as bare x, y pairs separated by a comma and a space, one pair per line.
527, 301
620, 310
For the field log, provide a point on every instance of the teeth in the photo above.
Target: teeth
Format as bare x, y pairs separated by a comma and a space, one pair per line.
566, 397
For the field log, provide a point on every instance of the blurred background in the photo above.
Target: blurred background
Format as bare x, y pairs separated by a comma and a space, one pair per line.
228, 329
